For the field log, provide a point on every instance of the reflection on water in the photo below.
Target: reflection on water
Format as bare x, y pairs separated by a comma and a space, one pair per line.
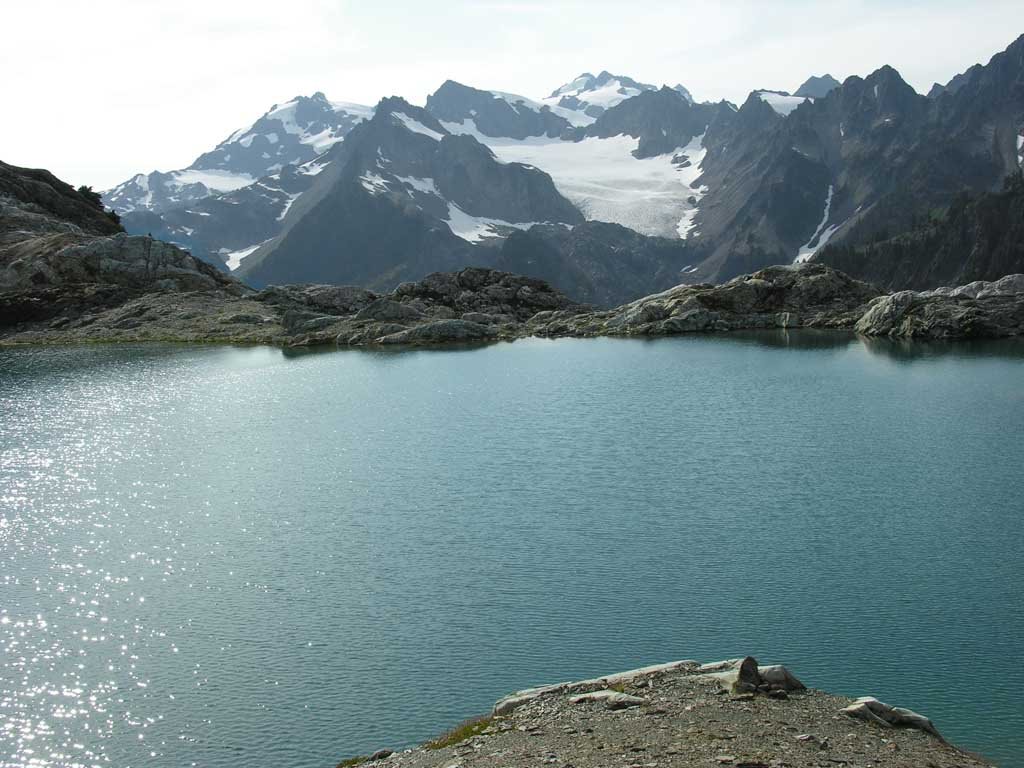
223, 556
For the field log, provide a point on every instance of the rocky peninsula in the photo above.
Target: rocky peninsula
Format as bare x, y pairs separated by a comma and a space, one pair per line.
731, 713
67, 275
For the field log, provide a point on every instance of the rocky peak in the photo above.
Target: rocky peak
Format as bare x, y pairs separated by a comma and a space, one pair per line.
662, 119
683, 91
817, 87
493, 113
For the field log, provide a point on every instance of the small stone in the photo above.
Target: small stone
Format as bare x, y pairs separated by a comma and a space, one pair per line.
725, 758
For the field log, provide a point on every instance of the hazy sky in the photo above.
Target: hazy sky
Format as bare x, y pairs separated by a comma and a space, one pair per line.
97, 90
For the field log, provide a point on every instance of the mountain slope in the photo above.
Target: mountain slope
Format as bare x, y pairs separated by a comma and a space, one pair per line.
287, 134
978, 238
859, 164
495, 114
403, 197
597, 263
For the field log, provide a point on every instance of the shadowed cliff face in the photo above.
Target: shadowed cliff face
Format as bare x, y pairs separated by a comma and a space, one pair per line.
38, 193
974, 239
405, 198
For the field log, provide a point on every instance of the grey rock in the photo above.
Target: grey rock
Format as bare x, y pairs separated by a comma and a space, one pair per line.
387, 309
441, 331
611, 699
874, 711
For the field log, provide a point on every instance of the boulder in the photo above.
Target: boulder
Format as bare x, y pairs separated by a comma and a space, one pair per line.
744, 675
874, 711
611, 699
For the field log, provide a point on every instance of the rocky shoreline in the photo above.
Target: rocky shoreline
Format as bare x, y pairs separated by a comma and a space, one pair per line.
68, 276
65, 288
731, 713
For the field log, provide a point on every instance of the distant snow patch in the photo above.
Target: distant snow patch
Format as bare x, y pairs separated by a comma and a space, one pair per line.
416, 126
288, 204
219, 181
420, 185
467, 128
374, 184
234, 258
1020, 151
781, 104
821, 235
696, 152
475, 228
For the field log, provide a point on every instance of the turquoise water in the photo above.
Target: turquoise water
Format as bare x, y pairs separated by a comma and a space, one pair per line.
221, 557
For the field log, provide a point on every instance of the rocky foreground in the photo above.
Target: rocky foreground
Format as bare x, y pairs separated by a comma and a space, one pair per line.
67, 275
125, 288
732, 713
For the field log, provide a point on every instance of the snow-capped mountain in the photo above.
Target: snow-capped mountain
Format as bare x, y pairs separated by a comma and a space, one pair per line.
402, 197
589, 96
287, 134
607, 187
633, 165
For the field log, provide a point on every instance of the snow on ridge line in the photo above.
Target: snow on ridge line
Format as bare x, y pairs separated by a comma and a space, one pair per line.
285, 113
416, 126
821, 235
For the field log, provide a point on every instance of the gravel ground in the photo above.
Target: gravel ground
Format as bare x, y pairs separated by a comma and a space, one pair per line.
686, 718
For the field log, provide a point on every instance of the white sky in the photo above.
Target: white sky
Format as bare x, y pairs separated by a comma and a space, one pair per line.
97, 90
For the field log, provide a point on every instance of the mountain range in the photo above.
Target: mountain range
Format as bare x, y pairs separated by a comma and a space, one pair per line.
608, 187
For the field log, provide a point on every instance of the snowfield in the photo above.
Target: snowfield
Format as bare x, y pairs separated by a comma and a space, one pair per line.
216, 180
606, 96
603, 179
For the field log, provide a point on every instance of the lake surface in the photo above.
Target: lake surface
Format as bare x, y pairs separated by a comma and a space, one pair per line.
216, 556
